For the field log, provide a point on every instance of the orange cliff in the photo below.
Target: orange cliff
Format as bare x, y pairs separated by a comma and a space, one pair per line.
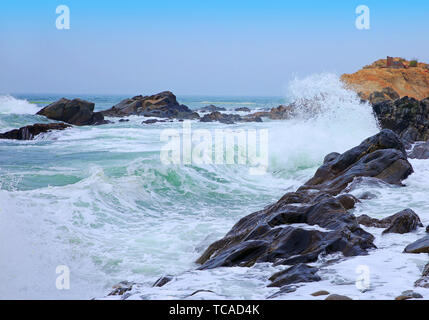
405, 77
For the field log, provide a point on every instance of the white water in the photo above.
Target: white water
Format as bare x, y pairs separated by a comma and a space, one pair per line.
98, 200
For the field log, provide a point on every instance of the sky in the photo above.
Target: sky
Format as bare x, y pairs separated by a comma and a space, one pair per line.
198, 47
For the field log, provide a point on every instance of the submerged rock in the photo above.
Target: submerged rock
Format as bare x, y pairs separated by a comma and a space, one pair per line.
29, 132
401, 222
295, 274
161, 105
77, 112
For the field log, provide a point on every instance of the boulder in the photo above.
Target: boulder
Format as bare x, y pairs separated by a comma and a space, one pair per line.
29, 132
77, 112
161, 105
420, 151
295, 274
401, 222
419, 246
407, 117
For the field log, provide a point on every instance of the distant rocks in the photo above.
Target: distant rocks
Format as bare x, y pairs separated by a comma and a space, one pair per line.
77, 112
278, 113
401, 222
161, 105
228, 118
29, 132
212, 108
407, 117
242, 109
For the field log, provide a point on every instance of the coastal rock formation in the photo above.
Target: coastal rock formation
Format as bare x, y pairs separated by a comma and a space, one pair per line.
29, 132
162, 105
295, 274
401, 222
271, 235
228, 118
407, 117
77, 111
396, 73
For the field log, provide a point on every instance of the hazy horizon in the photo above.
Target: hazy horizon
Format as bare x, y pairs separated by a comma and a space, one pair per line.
211, 48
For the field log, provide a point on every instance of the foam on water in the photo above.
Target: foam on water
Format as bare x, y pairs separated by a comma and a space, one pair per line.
98, 200
11, 105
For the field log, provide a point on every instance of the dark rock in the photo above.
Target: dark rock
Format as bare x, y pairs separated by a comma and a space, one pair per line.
386, 94
420, 151
121, 288
406, 116
163, 281
419, 246
243, 109
295, 274
367, 195
401, 222
124, 120
424, 280
279, 113
330, 157
334, 297
197, 292
228, 118
29, 132
348, 201
269, 235
161, 105
212, 108
150, 121
409, 294
320, 293
283, 290
427, 228
77, 111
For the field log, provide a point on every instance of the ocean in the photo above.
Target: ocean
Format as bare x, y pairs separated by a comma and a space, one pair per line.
98, 200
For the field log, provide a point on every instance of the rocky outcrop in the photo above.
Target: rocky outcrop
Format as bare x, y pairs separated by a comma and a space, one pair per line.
228, 118
29, 132
212, 108
407, 117
271, 235
162, 105
278, 113
406, 80
401, 222
77, 112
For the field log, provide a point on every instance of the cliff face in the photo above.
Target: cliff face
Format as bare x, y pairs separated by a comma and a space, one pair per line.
398, 74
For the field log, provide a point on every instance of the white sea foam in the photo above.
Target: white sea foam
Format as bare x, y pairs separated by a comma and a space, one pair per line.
11, 105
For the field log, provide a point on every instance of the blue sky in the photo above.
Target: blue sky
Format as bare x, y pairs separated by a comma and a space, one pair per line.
212, 47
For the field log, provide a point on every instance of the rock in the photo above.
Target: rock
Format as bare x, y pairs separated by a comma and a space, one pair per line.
283, 290
77, 112
409, 294
228, 118
242, 109
419, 246
163, 281
161, 105
124, 120
347, 201
407, 117
420, 151
279, 113
423, 282
367, 195
320, 293
151, 121
212, 108
337, 297
29, 132
427, 228
401, 222
121, 288
412, 82
297, 273
270, 235
385, 94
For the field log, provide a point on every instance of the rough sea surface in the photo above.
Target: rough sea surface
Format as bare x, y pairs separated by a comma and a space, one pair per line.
98, 200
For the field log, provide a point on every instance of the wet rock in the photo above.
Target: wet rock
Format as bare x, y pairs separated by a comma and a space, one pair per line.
330, 157
409, 294
401, 222
163, 281
406, 116
367, 195
29, 132
424, 280
243, 109
124, 120
161, 105
228, 118
270, 235
121, 288
77, 112
419, 246
334, 297
199, 291
348, 201
420, 151
278, 113
283, 290
298, 273
212, 108
320, 293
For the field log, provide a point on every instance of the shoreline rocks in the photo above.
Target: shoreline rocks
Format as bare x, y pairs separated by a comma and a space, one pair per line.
401, 222
31, 131
228, 118
77, 112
